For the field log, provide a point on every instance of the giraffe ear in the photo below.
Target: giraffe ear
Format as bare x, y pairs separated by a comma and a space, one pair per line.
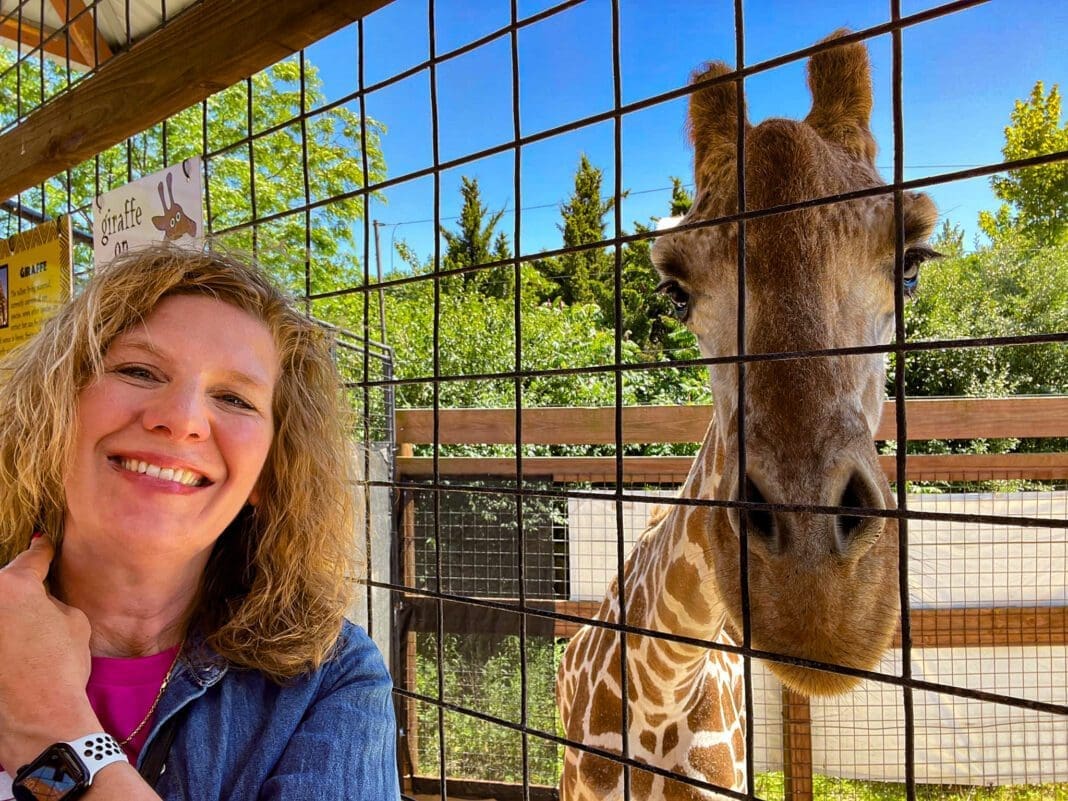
713, 122
840, 82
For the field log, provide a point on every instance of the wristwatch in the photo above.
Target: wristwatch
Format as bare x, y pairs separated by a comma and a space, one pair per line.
64, 771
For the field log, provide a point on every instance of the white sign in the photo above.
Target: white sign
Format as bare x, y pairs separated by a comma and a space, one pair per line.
165, 206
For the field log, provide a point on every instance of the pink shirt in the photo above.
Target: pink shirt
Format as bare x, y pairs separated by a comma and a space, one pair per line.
122, 690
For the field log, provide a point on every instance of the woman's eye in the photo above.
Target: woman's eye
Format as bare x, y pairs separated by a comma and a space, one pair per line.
136, 371
679, 297
237, 402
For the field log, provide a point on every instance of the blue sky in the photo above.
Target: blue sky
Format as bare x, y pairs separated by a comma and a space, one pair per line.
962, 74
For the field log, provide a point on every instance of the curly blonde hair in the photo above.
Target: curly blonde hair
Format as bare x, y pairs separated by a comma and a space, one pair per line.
278, 583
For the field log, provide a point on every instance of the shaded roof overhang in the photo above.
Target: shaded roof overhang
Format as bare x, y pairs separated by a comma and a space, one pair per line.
84, 36
211, 45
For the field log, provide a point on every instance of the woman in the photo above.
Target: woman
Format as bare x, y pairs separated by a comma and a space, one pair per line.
177, 525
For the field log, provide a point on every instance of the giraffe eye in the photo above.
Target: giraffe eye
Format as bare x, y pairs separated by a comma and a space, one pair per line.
679, 297
913, 258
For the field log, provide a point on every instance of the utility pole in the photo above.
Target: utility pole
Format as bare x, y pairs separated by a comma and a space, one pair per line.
378, 264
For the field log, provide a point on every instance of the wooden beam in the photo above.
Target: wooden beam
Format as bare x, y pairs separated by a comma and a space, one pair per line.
409, 644
931, 628
977, 418
928, 418
654, 469
979, 466
953, 628
204, 50
31, 36
428, 788
83, 32
673, 469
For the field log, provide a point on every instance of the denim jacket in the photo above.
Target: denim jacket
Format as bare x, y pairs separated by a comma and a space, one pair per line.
327, 735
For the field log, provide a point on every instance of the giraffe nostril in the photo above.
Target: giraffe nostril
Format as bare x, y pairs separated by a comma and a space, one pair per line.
859, 493
759, 522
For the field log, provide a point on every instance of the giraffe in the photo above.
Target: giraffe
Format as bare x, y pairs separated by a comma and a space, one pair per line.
822, 587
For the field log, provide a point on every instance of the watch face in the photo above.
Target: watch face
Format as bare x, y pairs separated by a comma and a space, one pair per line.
51, 776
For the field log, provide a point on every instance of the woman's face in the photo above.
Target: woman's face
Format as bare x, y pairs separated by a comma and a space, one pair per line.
172, 439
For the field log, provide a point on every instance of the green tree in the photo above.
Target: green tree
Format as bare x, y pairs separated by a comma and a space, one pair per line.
646, 317
588, 276
681, 199
333, 141
585, 276
1035, 198
1017, 285
476, 336
476, 241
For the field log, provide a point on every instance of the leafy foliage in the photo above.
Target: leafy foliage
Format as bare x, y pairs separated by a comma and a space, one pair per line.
1007, 289
477, 321
1036, 198
484, 674
245, 182
1014, 286
681, 199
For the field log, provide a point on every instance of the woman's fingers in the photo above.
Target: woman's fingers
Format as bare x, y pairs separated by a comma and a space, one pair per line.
36, 559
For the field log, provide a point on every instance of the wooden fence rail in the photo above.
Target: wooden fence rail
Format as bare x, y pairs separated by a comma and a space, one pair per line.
928, 418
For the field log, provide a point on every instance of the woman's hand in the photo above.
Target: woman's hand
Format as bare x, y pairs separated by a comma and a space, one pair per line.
44, 662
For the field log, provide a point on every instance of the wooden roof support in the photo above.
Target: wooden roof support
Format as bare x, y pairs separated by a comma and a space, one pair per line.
204, 50
31, 36
81, 30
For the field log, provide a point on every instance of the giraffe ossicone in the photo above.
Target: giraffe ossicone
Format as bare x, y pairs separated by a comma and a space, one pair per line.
822, 586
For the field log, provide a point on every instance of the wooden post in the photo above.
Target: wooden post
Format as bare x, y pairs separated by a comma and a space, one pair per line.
796, 746
408, 546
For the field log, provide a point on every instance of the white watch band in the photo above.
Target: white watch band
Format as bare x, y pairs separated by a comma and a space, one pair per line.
97, 751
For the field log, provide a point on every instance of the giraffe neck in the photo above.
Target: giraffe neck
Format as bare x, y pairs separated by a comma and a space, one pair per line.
670, 585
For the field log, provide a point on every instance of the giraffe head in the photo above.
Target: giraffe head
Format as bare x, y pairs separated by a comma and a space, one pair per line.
822, 587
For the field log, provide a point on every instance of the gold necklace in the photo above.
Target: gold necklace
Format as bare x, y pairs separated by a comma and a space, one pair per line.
156, 701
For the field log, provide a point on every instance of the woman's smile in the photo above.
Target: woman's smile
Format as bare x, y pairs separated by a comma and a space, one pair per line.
154, 468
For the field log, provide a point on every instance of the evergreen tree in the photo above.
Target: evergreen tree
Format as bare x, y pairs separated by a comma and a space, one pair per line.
477, 242
585, 276
647, 314
588, 276
681, 199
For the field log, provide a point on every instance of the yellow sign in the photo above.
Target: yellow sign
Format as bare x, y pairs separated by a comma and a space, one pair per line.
35, 280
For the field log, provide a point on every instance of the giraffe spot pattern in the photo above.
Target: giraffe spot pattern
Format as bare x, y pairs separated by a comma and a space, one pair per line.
716, 763
648, 741
671, 739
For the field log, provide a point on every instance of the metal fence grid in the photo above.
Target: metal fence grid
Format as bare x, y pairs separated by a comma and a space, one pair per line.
473, 541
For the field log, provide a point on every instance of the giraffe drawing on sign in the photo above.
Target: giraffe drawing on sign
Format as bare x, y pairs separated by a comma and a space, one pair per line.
822, 587
174, 222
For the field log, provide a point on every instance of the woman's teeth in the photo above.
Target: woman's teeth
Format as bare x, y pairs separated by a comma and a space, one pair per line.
178, 475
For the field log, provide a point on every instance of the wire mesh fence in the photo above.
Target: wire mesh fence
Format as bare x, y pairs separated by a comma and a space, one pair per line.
499, 553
